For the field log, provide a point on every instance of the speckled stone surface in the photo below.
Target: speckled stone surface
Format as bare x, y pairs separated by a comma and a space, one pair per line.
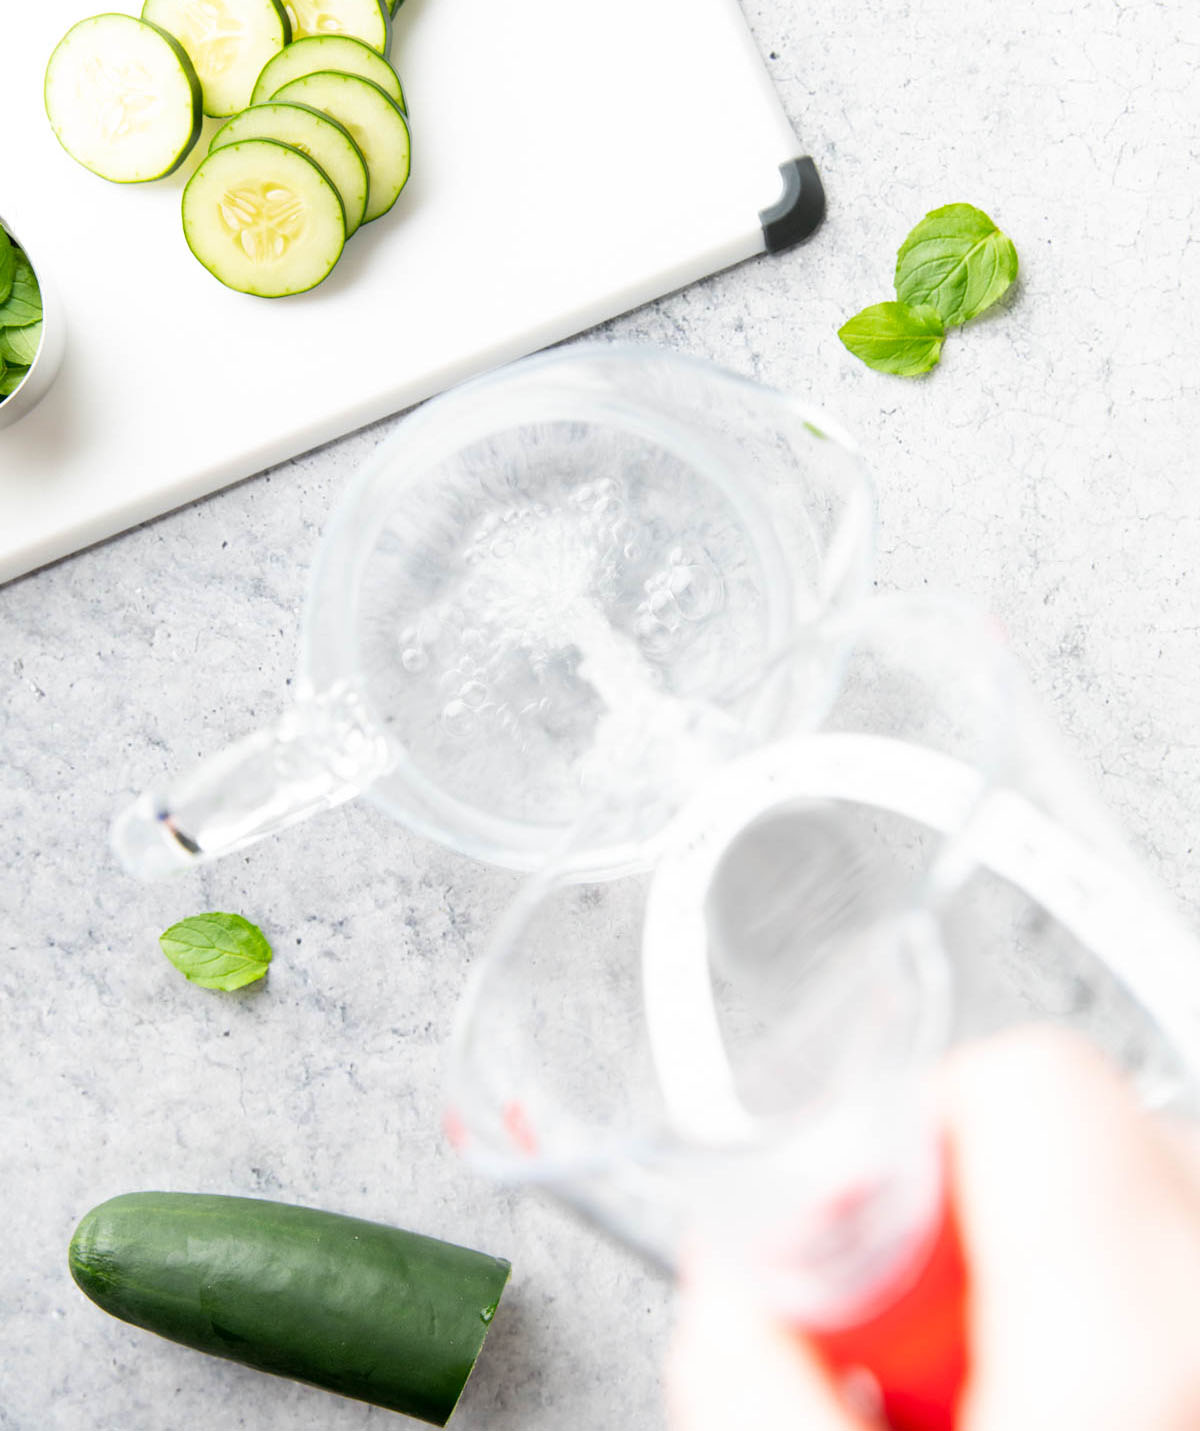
1048, 469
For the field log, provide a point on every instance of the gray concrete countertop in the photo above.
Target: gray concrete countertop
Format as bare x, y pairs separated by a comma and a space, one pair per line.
1047, 469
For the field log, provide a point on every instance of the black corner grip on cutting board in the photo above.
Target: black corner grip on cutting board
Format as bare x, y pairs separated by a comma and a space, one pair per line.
797, 213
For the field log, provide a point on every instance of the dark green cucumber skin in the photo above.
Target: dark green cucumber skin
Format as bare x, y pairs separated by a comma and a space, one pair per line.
386, 10
368, 1311
189, 73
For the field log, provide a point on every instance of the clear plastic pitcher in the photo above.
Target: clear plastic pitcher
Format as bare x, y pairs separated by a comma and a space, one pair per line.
534, 569
730, 1045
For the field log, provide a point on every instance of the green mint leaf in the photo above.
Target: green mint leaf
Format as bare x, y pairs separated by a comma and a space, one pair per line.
8, 266
24, 303
957, 260
11, 378
895, 338
217, 951
20, 345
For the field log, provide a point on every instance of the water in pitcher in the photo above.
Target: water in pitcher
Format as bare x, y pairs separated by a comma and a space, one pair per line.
537, 619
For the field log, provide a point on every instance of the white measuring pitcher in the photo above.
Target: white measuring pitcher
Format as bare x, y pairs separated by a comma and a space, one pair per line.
532, 570
730, 1045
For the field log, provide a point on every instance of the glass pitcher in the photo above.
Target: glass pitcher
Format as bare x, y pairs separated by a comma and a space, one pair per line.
731, 1044
536, 570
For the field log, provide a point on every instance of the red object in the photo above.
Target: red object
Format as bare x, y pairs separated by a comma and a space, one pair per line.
914, 1340
455, 1130
519, 1129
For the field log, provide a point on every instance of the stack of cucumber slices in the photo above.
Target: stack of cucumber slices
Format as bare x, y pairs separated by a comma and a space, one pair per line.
315, 140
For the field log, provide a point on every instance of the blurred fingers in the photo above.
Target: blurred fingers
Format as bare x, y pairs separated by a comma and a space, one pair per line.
1081, 1222
732, 1367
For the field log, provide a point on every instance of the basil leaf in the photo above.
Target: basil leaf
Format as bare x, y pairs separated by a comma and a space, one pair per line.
24, 304
217, 951
957, 260
12, 375
895, 338
20, 345
8, 266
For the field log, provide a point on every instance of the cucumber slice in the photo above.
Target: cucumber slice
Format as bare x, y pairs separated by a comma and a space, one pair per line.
227, 41
369, 1311
376, 124
313, 133
367, 20
328, 52
264, 218
123, 99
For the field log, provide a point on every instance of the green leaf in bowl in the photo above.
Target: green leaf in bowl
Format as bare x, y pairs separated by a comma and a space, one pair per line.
11, 377
8, 266
24, 303
19, 345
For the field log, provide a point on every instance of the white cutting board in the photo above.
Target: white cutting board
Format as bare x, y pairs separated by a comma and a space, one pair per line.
571, 160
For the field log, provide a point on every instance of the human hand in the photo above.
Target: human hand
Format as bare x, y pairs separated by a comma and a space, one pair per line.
1080, 1219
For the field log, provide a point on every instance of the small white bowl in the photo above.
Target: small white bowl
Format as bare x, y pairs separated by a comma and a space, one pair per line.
46, 361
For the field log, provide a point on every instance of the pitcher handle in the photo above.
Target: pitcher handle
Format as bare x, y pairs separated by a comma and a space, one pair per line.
320, 753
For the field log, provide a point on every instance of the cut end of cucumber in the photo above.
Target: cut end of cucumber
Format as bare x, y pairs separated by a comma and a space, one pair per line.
123, 99
228, 42
264, 218
487, 1316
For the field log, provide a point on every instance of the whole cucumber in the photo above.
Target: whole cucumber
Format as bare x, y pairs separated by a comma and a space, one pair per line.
369, 1311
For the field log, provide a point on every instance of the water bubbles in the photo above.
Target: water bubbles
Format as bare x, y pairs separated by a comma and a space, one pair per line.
414, 656
477, 545
505, 635
698, 591
679, 599
539, 707
604, 526
658, 639
563, 621
585, 494
626, 540
458, 719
